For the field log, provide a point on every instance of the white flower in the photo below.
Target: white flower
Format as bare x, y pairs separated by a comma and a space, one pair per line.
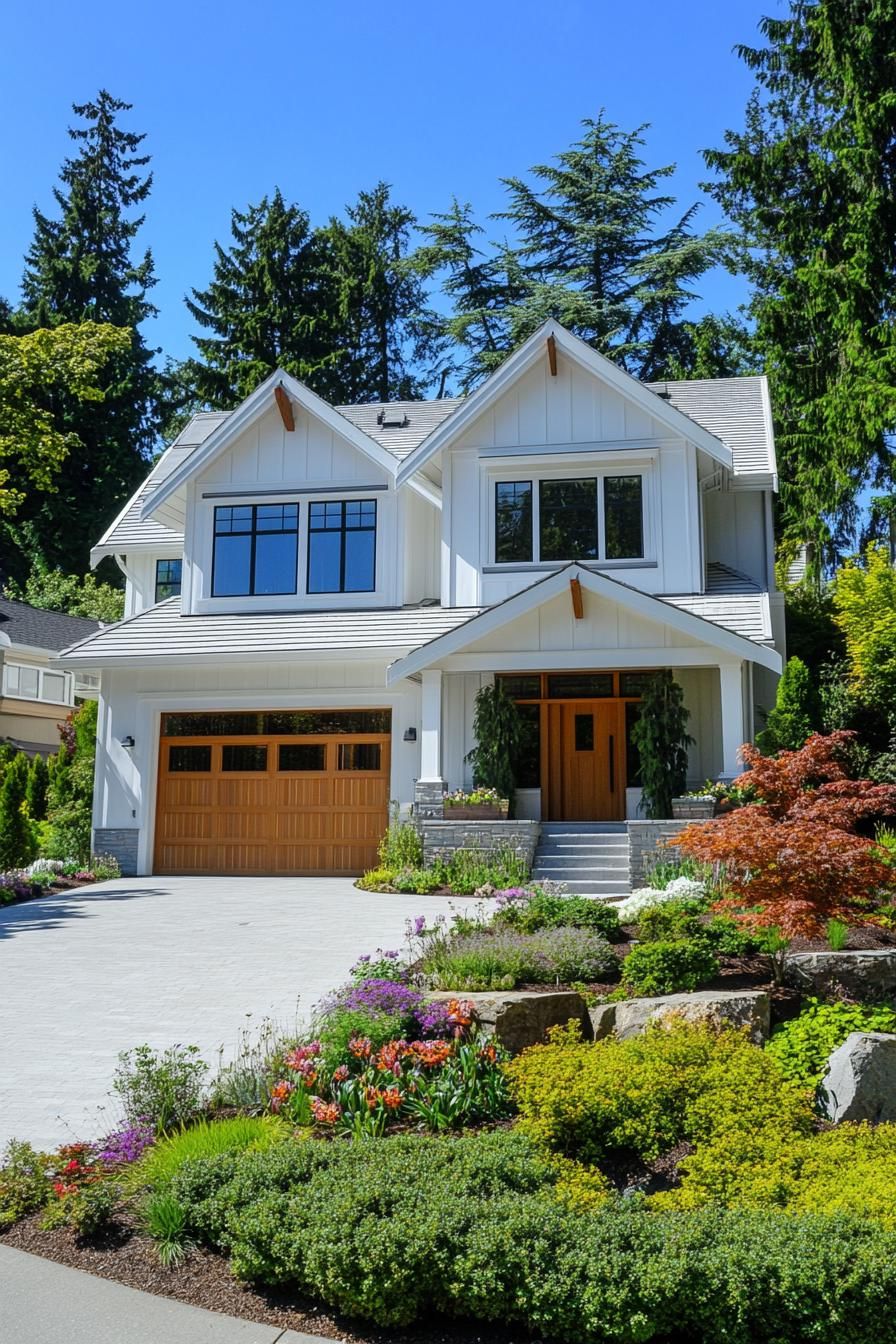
679, 889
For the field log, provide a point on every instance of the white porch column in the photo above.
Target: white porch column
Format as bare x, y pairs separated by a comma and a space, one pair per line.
733, 731
431, 727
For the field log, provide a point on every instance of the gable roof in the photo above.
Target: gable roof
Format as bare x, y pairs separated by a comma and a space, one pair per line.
524, 357
737, 410
258, 403
683, 613
400, 440
129, 531
37, 629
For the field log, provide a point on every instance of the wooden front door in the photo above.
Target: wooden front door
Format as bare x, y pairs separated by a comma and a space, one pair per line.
586, 759
271, 805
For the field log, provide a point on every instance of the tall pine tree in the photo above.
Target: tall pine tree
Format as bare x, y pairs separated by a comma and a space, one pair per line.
389, 340
810, 183
590, 248
80, 268
272, 302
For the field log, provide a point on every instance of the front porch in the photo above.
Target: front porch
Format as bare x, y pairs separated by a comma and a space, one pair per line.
575, 652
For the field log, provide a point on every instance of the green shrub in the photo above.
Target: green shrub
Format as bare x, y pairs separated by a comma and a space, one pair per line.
164, 1159
669, 967
547, 910
339, 1025
837, 934
401, 847
417, 881
25, 1184
803, 1045
18, 839
165, 1219
87, 1211
678, 1081
163, 1088
478, 1227
670, 922
731, 939
504, 958
376, 879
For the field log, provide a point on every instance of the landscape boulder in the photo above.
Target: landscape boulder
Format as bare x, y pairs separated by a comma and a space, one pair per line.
864, 975
750, 1008
519, 1018
860, 1083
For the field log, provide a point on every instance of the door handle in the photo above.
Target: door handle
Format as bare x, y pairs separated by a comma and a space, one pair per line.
612, 764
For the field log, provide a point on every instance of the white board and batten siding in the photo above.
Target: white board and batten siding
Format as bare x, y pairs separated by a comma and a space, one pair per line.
293, 465
568, 424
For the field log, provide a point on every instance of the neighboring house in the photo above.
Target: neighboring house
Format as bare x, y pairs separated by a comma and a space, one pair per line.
316, 594
36, 697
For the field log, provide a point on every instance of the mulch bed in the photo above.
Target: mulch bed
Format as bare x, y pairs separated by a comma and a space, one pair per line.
126, 1256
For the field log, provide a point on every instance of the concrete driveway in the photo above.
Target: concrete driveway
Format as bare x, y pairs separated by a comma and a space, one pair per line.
91, 972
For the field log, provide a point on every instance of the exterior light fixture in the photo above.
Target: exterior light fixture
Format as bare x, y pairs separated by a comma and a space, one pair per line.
127, 742
410, 734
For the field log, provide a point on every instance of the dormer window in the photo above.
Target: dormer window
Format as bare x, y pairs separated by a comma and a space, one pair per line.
558, 519
342, 546
256, 550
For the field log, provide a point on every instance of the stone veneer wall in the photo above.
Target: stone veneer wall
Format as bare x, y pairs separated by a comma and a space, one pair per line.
121, 844
646, 839
441, 839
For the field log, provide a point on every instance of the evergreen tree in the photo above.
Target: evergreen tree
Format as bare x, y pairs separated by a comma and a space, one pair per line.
809, 183
661, 739
797, 711
80, 268
17, 846
271, 303
388, 340
36, 789
70, 795
592, 252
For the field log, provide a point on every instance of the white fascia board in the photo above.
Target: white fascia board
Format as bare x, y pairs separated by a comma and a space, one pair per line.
166, 549
256, 405
85, 660
523, 358
426, 489
643, 604
770, 430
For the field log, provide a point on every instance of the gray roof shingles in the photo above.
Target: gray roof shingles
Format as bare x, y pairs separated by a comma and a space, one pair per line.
38, 629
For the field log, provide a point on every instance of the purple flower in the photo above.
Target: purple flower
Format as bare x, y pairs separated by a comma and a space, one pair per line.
391, 956
388, 997
512, 895
125, 1145
433, 1020
419, 925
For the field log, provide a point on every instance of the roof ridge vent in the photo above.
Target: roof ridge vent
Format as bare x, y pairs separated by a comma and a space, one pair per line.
397, 421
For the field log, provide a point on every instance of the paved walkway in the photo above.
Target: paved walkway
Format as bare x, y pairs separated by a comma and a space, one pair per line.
91, 972
45, 1303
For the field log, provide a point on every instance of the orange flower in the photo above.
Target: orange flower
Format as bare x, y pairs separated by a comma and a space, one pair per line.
325, 1112
391, 1098
431, 1053
360, 1047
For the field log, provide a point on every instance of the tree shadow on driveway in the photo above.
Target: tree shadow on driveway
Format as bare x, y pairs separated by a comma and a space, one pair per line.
57, 908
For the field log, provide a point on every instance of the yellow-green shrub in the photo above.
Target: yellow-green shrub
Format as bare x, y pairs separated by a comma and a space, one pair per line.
850, 1170
677, 1081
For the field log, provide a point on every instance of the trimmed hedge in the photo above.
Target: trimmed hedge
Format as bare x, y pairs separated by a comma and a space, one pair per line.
473, 1227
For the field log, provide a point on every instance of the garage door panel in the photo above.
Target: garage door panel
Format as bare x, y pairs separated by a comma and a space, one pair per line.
310, 805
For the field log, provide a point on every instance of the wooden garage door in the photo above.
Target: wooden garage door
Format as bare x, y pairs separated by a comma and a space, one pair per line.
278, 804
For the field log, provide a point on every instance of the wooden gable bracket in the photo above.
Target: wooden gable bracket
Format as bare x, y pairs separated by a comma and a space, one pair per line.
284, 405
575, 592
552, 355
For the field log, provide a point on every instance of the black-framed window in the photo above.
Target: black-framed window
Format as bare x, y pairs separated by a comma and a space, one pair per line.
623, 517
167, 579
568, 519
256, 550
342, 546
513, 522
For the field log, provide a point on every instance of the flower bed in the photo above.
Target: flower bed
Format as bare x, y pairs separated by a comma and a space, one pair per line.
53, 875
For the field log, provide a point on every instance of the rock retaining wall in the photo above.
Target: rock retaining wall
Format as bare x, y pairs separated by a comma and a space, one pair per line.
121, 844
646, 841
441, 839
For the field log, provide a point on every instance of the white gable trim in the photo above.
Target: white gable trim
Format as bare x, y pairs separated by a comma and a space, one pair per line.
258, 403
642, 604
523, 359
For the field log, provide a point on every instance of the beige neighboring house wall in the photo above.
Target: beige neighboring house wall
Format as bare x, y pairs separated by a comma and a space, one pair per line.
34, 696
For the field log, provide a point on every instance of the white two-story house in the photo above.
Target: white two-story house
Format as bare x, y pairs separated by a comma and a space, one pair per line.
315, 594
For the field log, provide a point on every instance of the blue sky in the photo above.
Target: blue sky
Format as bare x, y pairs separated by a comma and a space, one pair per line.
324, 99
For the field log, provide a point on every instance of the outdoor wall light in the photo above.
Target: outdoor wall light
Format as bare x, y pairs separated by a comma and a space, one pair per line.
410, 734
127, 742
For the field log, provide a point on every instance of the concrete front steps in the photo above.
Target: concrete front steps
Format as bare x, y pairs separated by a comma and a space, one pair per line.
591, 858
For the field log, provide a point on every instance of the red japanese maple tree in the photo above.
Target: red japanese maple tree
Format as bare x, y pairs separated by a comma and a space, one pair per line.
798, 858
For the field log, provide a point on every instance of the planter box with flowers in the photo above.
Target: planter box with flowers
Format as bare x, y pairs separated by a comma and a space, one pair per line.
477, 805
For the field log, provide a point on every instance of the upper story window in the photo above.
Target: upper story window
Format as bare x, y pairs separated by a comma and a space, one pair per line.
342, 546
582, 518
37, 683
256, 550
167, 579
